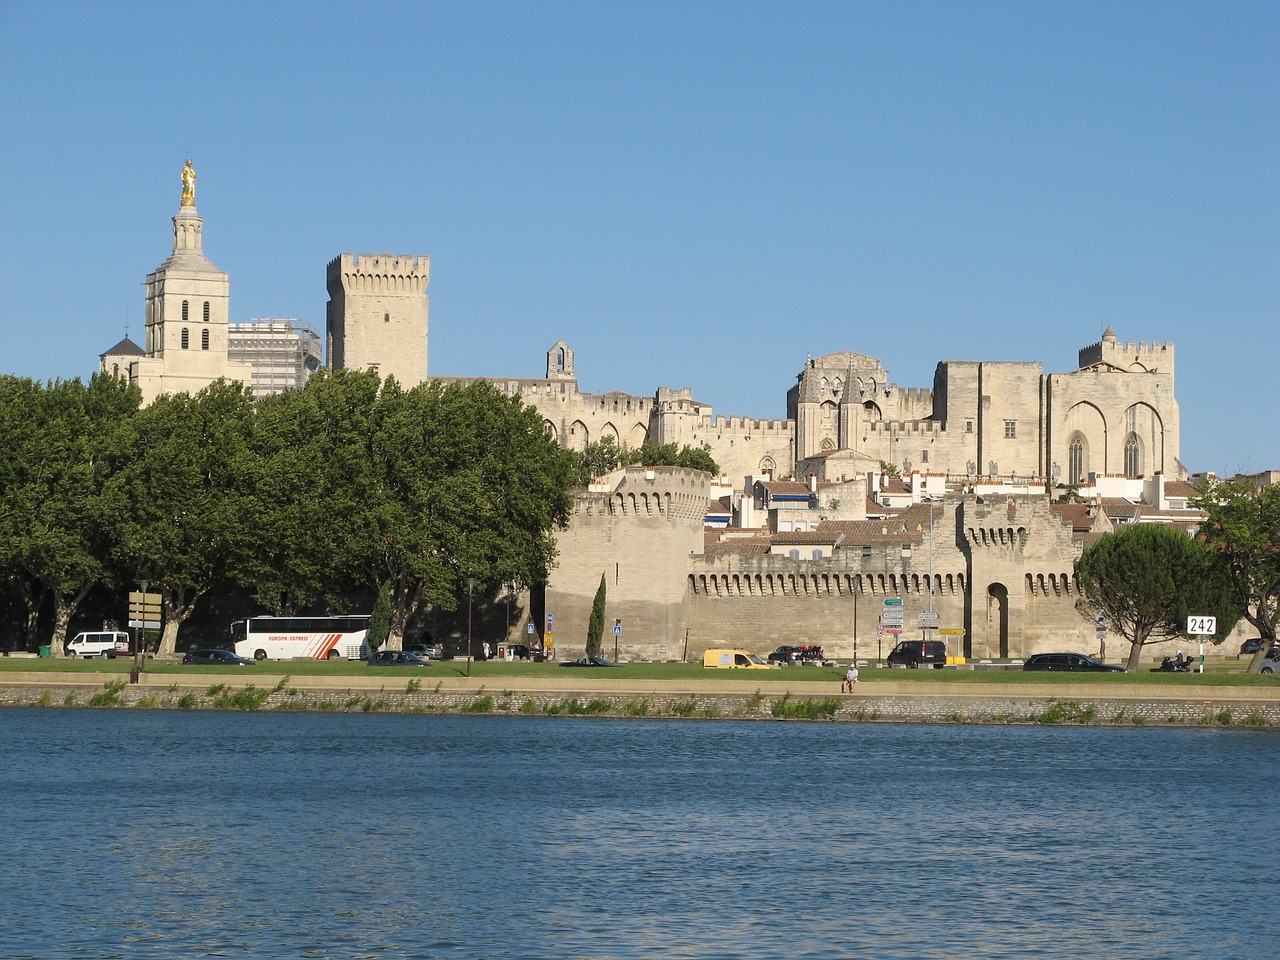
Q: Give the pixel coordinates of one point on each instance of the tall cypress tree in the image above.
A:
(595, 628)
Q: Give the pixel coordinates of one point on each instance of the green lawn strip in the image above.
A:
(1229, 673)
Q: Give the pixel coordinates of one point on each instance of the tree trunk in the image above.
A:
(177, 608)
(64, 608)
(32, 600)
(1135, 657)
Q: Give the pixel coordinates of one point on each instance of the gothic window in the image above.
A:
(1075, 462)
(186, 337)
(1011, 429)
(1132, 457)
(206, 311)
(560, 360)
(204, 339)
(184, 311)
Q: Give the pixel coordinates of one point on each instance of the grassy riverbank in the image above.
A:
(1218, 673)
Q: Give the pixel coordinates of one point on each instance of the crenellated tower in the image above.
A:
(376, 318)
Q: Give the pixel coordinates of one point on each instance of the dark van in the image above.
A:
(913, 653)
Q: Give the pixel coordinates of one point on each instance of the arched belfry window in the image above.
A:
(184, 311)
(206, 311)
(1075, 461)
(560, 360)
(1132, 457)
(186, 337)
(204, 339)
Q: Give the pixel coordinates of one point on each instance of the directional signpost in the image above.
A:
(144, 614)
(891, 618)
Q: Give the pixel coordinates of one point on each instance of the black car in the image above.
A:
(588, 662)
(915, 653)
(1069, 662)
(397, 658)
(797, 655)
(216, 658)
(1250, 647)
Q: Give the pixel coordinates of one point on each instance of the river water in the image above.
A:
(168, 834)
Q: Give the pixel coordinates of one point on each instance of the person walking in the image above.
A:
(850, 678)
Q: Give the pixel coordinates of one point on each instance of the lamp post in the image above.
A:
(471, 585)
(138, 635)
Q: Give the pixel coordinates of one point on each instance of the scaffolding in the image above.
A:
(283, 353)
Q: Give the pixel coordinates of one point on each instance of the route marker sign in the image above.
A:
(1202, 626)
(893, 602)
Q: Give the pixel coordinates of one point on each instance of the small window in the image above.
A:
(794, 554)
(924, 456)
(204, 339)
(866, 549)
(206, 311)
(186, 337)
(1010, 429)
(184, 311)
(968, 426)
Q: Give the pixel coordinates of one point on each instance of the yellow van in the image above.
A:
(734, 660)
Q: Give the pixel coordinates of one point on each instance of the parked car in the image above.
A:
(1250, 646)
(798, 655)
(216, 658)
(397, 658)
(427, 651)
(1272, 662)
(914, 653)
(588, 662)
(1071, 662)
(734, 659)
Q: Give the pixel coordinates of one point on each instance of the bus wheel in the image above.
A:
(334, 655)
(259, 654)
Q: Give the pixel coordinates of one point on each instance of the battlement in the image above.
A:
(930, 428)
(380, 273)
(1148, 355)
(672, 493)
(747, 425)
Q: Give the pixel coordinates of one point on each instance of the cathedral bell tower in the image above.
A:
(187, 313)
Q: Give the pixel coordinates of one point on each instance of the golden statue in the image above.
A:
(188, 184)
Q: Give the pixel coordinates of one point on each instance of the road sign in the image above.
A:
(144, 610)
(1202, 626)
(952, 631)
(531, 628)
(895, 631)
(617, 629)
(892, 621)
(893, 602)
(926, 616)
(548, 619)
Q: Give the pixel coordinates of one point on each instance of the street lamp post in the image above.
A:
(471, 585)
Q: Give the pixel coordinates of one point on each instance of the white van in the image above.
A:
(99, 643)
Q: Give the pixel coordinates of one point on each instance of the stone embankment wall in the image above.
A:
(879, 702)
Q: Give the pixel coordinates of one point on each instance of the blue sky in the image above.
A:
(689, 194)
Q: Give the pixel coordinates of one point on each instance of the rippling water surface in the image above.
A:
(157, 834)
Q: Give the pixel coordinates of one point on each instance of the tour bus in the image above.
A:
(309, 638)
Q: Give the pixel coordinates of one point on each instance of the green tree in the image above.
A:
(595, 626)
(380, 620)
(669, 455)
(1147, 578)
(312, 449)
(52, 512)
(599, 458)
(1243, 529)
(464, 484)
(182, 503)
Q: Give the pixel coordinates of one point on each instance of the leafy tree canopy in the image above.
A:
(1146, 579)
(1243, 529)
